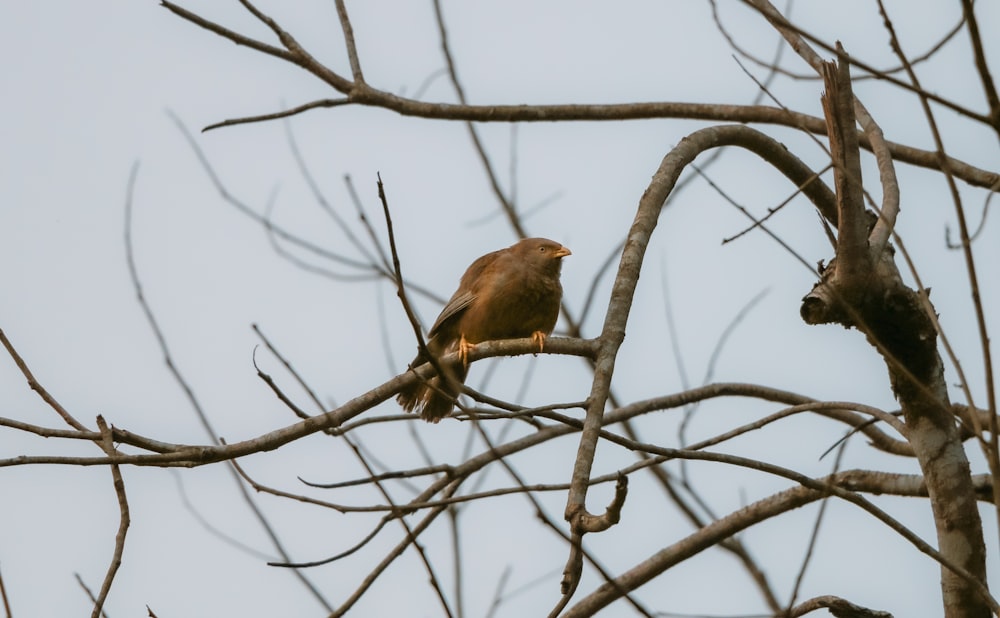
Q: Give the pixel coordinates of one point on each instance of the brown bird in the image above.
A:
(508, 294)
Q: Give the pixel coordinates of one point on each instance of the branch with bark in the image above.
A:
(860, 288)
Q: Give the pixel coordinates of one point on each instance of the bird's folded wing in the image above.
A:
(458, 303)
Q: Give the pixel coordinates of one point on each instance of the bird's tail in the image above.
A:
(435, 397)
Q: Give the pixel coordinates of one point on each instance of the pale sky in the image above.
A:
(87, 89)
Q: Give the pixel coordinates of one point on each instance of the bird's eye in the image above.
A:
(542, 249)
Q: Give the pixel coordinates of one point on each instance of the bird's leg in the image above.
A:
(539, 338)
(463, 350)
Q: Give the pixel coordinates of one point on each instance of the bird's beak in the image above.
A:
(562, 252)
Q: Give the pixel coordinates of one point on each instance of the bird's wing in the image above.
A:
(468, 290)
(455, 306)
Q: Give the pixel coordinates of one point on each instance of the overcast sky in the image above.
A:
(88, 89)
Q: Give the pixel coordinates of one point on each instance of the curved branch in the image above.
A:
(625, 283)
(842, 608)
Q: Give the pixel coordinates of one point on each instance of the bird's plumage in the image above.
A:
(507, 294)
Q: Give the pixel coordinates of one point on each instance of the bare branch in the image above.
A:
(631, 262)
(352, 50)
(989, 87)
(506, 203)
(176, 457)
(108, 445)
(235, 37)
(947, 514)
(797, 37)
(3, 597)
(853, 260)
(37, 387)
(397, 551)
(87, 591)
(360, 92)
(840, 608)
(295, 111)
(808, 491)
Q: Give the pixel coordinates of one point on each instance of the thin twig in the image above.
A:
(395, 509)
(810, 489)
(36, 386)
(6, 601)
(541, 514)
(989, 87)
(320, 197)
(235, 37)
(759, 223)
(797, 37)
(188, 391)
(773, 65)
(397, 551)
(364, 94)
(108, 445)
(814, 535)
(352, 49)
(411, 315)
(88, 592)
(506, 203)
(992, 452)
(295, 111)
(243, 208)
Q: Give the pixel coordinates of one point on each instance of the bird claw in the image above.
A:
(463, 351)
(539, 338)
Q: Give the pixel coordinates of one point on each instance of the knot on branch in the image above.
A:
(893, 317)
(582, 522)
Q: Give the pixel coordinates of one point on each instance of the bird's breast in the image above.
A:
(512, 310)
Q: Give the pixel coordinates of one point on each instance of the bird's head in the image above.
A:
(546, 254)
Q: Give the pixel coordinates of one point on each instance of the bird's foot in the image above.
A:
(539, 338)
(463, 350)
